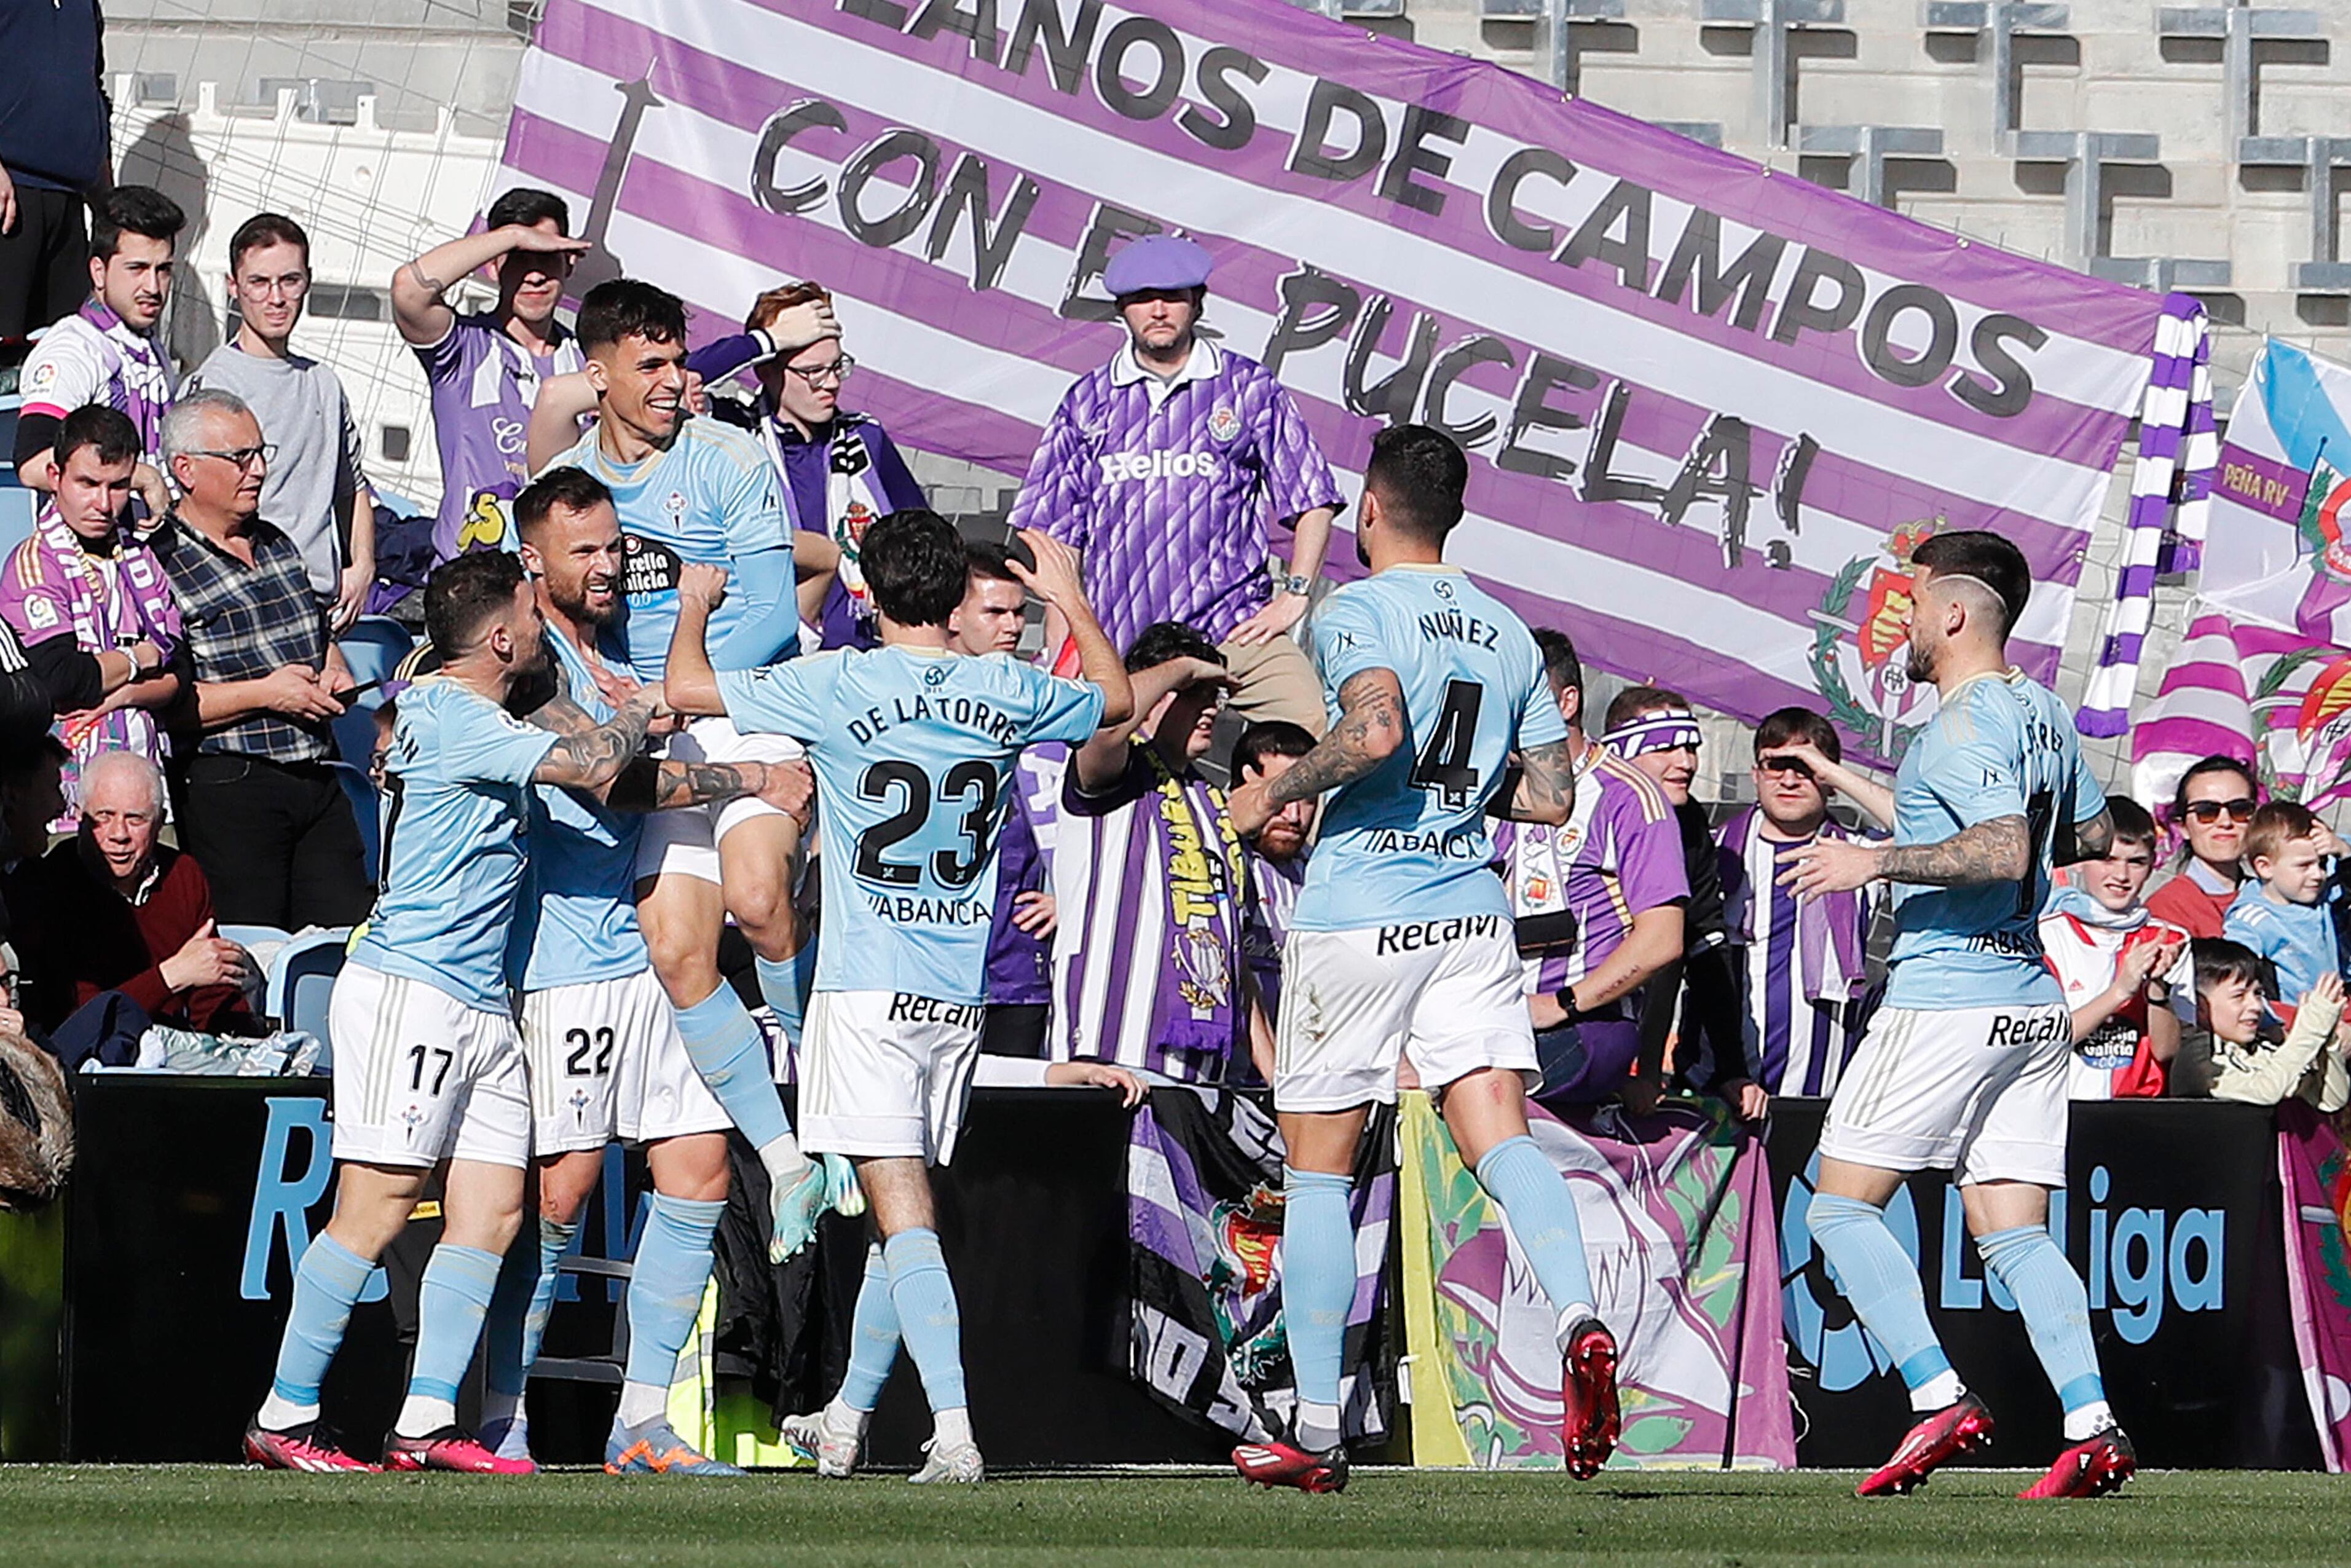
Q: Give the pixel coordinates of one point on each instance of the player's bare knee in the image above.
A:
(762, 908)
(693, 1168)
(898, 1191)
(565, 1185)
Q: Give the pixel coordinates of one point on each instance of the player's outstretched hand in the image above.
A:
(1250, 806)
(531, 237)
(1098, 1075)
(704, 582)
(613, 686)
(790, 788)
(1825, 866)
(1055, 578)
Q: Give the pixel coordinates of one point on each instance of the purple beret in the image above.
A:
(1157, 261)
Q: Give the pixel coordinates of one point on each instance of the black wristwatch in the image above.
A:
(1565, 997)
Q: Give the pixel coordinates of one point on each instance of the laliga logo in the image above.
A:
(1123, 467)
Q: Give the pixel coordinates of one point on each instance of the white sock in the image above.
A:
(422, 1416)
(501, 1408)
(951, 1428)
(1318, 1425)
(784, 1161)
(1943, 1388)
(845, 1421)
(2088, 1421)
(1569, 1316)
(283, 1415)
(641, 1403)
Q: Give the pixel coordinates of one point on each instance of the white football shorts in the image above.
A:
(421, 1077)
(1977, 1090)
(883, 1073)
(606, 1059)
(685, 842)
(1445, 992)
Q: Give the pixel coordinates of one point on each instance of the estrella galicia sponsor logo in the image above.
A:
(1130, 467)
(648, 566)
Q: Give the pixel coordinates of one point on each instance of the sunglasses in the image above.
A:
(2240, 809)
(1795, 765)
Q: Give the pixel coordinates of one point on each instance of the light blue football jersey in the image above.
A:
(579, 922)
(1409, 841)
(712, 498)
(912, 751)
(457, 811)
(2000, 745)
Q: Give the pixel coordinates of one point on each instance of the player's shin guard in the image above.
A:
(450, 1305)
(784, 985)
(1318, 1286)
(327, 1283)
(873, 1337)
(1882, 1283)
(2056, 1313)
(1541, 1214)
(726, 1047)
(666, 1287)
(928, 1320)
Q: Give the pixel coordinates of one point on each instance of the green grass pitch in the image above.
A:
(115, 1516)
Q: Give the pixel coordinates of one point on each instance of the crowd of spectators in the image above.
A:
(171, 680)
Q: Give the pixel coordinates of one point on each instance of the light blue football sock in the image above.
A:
(327, 1283)
(873, 1337)
(1541, 1212)
(726, 1047)
(928, 1320)
(2056, 1313)
(451, 1303)
(1882, 1284)
(519, 1308)
(1317, 1288)
(665, 1286)
(784, 985)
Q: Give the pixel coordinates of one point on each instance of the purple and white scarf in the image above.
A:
(1830, 928)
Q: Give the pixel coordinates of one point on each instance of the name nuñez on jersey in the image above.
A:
(975, 714)
(1128, 467)
(1452, 625)
(1422, 933)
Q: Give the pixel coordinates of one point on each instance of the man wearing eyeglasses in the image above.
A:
(841, 468)
(266, 815)
(316, 490)
(2214, 806)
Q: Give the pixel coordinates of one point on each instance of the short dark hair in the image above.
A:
(132, 209)
(1634, 701)
(573, 489)
(1782, 726)
(25, 762)
(1269, 737)
(1559, 662)
(1421, 475)
(463, 593)
(629, 308)
(986, 557)
(2133, 823)
(1162, 640)
(2206, 767)
(99, 426)
(1988, 557)
(2219, 959)
(266, 228)
(914, 564)
(529, 207)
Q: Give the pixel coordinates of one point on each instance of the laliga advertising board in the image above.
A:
(1709, 408)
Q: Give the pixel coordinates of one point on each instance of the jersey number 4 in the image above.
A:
(1444, 764)
(974, 783)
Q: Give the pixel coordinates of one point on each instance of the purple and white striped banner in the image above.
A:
(1707, 403)
(2274, 700)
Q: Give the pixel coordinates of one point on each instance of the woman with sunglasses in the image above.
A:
(2214, 805)
(841, 469)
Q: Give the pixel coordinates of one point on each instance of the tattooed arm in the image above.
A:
(1371, 727)
(649, 784)
(1545, 787)
(591, 754)
(2092, 839)
(1997, 850)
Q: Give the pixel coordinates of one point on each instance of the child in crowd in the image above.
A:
(2240, 1059)
(2118, 965)
(2283, 911)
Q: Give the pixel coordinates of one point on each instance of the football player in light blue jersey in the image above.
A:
(428, 1066)
(1401, 942)
(600, 1040)
(914, 744)
(1964, 1067)
(697, 491)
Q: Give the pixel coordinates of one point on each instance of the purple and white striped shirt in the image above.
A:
(1801, 966)
(1619, 852)
(1273, 897)
(1147, 959)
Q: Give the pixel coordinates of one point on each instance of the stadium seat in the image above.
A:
(17, 510)
(373, 648)
(302, 976)
(256, 935)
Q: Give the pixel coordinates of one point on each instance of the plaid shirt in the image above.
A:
(244, 623)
